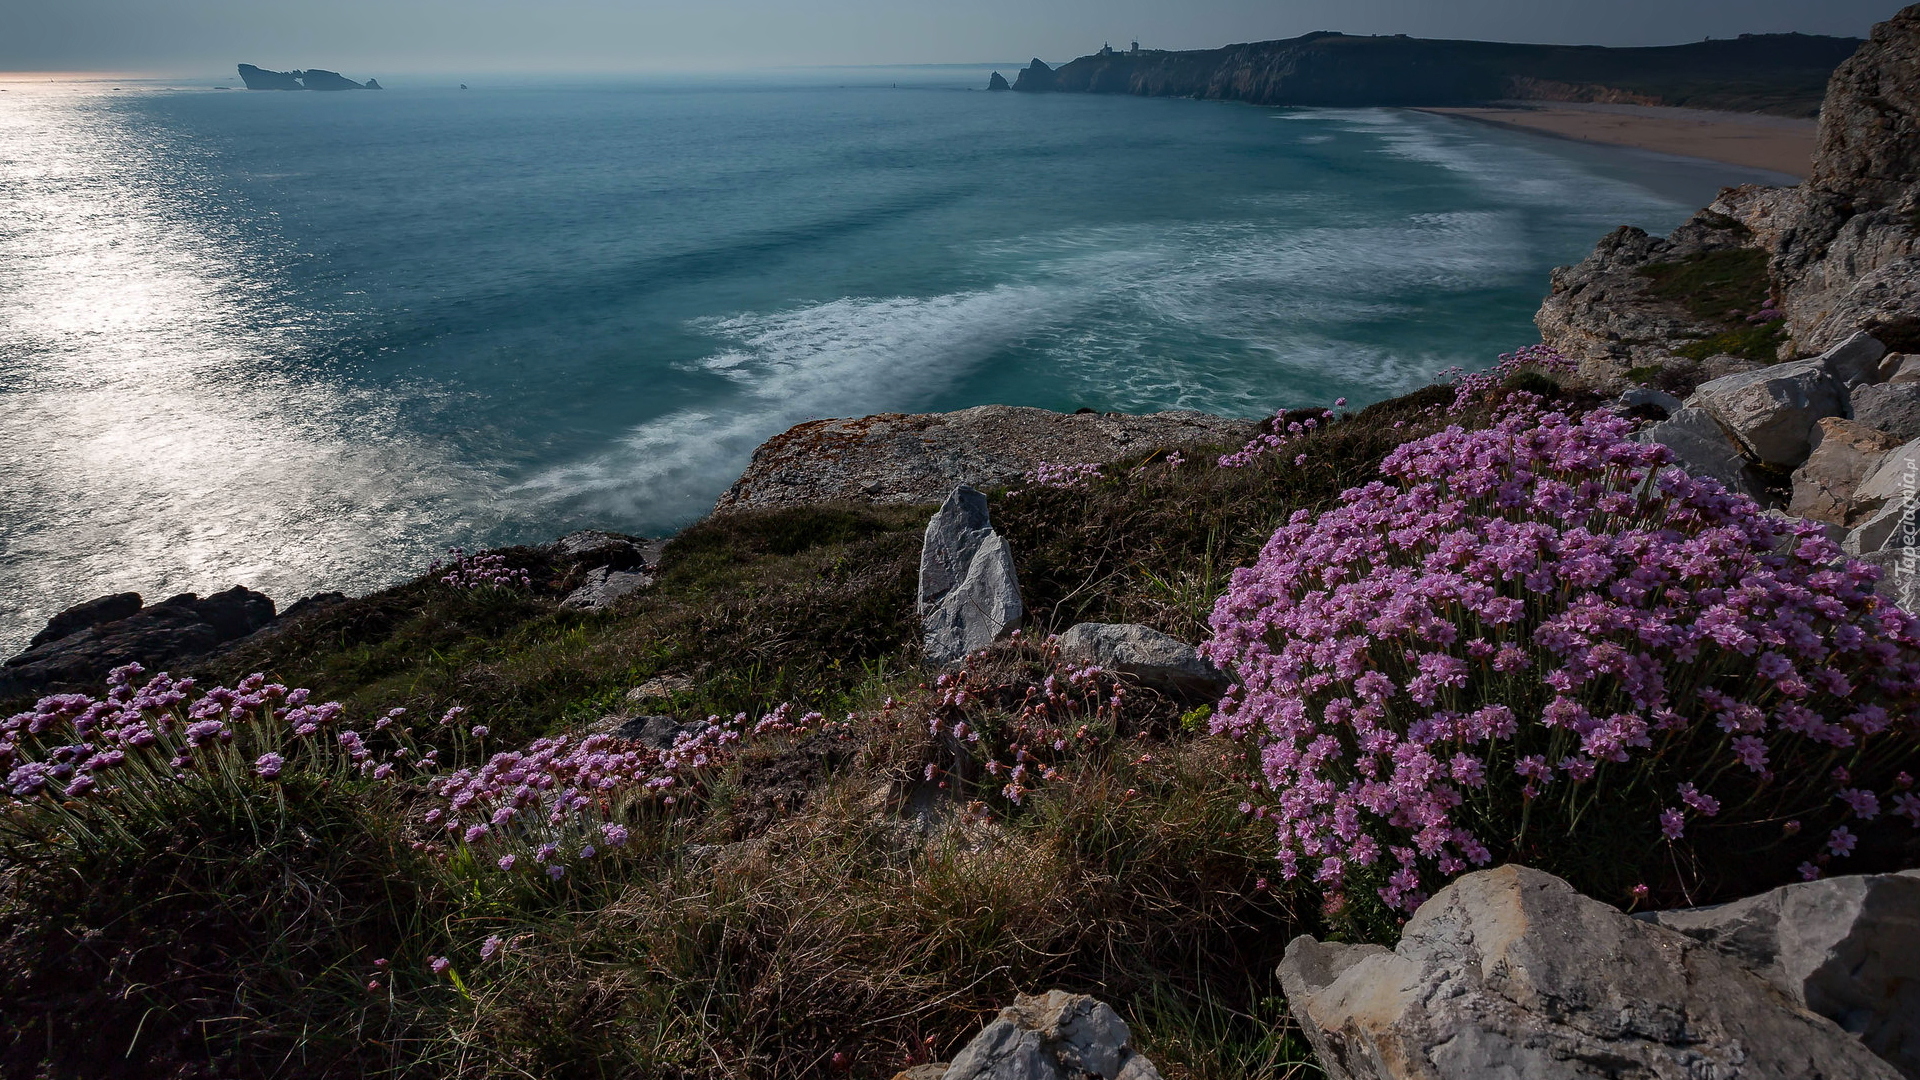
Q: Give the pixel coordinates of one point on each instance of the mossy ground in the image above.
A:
(1721, 288)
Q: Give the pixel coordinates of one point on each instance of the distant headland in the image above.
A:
(1785, 74)
(311, 79)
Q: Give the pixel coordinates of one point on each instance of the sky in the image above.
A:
(394, 37)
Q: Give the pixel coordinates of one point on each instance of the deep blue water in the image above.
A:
(303, 341)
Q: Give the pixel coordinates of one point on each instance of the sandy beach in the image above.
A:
(1779, 143)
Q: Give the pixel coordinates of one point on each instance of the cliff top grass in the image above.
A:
(827, 903)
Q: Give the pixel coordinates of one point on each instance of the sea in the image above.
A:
(309, 341)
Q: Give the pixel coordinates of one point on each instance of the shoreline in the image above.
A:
(1752, 140)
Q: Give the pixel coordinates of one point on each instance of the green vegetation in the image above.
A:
(1713, 283)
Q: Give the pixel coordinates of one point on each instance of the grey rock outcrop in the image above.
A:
(1896, 477)
(1704, 449)
(1846, 948)
(1509, 973)
(1854, 361)
(1894, 525)
(79, 617)
(1771, 412)
(603, 585)
(181, 629)
(1890, 407)
(659, 732)
(1844, 452)
(998, 82)
(919, 457)
(1646, 398)
(1145, 656)
(1053, 1036)
(969, 589)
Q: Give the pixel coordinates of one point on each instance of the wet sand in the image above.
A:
(1779, 143)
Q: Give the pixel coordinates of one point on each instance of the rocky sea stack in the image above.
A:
(311, 79)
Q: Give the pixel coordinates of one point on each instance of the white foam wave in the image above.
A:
(848, 357)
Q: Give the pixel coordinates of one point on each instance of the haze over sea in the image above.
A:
(304, 341)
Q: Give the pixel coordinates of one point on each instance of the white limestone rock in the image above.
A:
(1511, 974)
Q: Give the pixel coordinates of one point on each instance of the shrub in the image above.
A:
(1539, 645)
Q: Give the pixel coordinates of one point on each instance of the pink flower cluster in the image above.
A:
(1768, 312)
(467, 570)
(1048, 474)
(1281, 432)
(1018, 733)
(1542, 605)
(140, 742)
(564, 797)
(1469, 387)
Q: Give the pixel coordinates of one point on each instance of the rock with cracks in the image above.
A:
(1771, 412)
(1053, 1036)
(1145, 656)
(1702, 448)
(969, 590)
(1847, 948)
(1846, 451)
(1510, 973)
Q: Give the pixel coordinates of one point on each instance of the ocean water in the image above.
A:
(307, 341)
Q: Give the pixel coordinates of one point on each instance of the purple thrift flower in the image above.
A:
(491, 947)
(268, 765)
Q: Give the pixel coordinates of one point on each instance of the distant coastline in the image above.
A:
(1784, 74)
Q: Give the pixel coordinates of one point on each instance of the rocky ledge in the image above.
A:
(921, 457)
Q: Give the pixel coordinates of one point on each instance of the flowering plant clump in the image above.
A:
(1048, 474)
(1541, 643)
(563, 798)
(1016, 731)
(487, 570)
(1469, 387)
(97, 764)
(1285, 427)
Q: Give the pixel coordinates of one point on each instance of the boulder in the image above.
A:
(1897, 477)
(1901, 368)
(660, 687)
(596, 548)
(969, 590)
(1703, 448)
(659, 732)
(1893, 408)
(178, 630)
(984, 606)
(1145, 656)
(1847, 948)
(1770, 412)
(1511, 974)
(1896, 524)
(602, 585)
(1647, 398)
(1053, 1036)
(92, 613)
(1854, 361)
(1844, 452)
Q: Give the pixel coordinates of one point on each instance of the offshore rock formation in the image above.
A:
(920, 457)
(1837, 254)
(1772, 72)
(998, 82)
(311, 79)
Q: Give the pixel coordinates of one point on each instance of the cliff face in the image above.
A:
(1836, 254)
(1775, 72)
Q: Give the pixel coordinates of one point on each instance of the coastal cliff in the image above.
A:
(1769, 273)
(1780, 73)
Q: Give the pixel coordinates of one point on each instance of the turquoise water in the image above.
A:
(306, 341)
